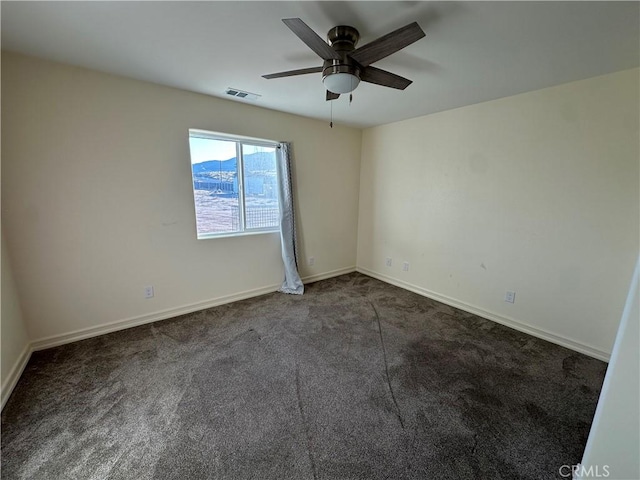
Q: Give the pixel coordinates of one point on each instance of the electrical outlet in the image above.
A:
(405, 266)
(389, 262)
(148, 291)
(510, 297)
(311, 261)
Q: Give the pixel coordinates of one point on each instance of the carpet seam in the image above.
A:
(386, 365)
(305, 424)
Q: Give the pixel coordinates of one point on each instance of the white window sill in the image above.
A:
(208, 236)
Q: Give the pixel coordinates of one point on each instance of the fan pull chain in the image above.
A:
(350, 98)
(331, 122)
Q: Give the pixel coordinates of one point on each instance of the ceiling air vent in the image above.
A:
(234, 92)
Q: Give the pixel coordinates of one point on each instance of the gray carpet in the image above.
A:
(356, 379)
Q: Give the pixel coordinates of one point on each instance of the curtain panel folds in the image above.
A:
(292, 282)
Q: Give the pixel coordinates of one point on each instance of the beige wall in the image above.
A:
(13, 333)
(535, 193)
(97, 199)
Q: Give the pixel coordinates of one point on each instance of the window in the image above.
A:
(235, 184)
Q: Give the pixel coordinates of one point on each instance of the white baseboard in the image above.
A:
(333, 273)
(509, 322)
(84, 333)
(81, 334)
(14, 374)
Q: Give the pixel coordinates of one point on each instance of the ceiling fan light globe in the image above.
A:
(341, 82)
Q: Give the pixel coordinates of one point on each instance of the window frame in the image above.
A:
(239, 141)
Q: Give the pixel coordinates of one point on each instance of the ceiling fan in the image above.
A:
(345, 65)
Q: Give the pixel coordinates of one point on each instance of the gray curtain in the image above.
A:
(292, 282)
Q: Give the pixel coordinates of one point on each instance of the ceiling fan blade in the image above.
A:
(311, 39)
(384, 78)
(332, 96)
(291, 73)
(387, 44)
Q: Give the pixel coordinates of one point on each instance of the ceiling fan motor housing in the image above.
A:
(343, 39)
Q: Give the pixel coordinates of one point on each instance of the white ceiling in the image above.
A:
(472, 52)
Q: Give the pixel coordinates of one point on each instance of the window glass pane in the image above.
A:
(260, 186)
(215, 185)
